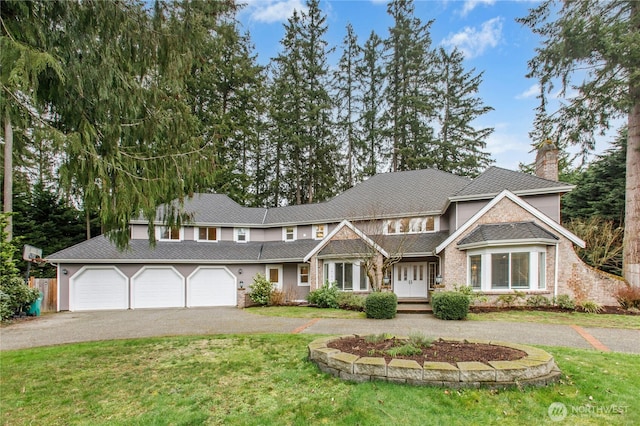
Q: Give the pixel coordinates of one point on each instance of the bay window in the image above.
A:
(513, 268)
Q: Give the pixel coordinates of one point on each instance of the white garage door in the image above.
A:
(157, 287)
(211, 286)
(96, 288)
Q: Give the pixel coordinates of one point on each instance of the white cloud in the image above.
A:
(270, 11)
(472, 41)
(469, 5)
(531, 92)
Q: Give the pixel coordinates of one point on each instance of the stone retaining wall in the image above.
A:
(537, 368)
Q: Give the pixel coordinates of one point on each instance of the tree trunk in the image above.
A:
(8, 175)
(631, 245)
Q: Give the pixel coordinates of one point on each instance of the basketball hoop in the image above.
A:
(32, 254)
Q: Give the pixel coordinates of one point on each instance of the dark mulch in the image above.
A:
(439, 351)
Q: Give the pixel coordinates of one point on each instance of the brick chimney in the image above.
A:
(547, 161)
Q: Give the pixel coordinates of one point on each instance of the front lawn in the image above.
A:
(562, 318)
(304, 312)
(266, 379)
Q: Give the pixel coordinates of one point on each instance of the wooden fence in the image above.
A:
(49, 289)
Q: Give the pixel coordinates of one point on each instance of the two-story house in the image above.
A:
(407, 232)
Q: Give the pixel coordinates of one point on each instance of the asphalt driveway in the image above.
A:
(71, 327)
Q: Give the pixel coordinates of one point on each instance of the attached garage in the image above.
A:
(98, 288)
(211, 286)
(157, 287)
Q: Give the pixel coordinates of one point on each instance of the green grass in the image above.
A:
(562, 318)
(267, 380)
(304, 312)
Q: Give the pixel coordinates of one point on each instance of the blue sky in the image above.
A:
(485, 30)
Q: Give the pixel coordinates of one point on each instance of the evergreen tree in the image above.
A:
(600, 189)
(460, 146)
(348, 100)
(410, 89)
(601, 41)
(371, 78)
(301, 113)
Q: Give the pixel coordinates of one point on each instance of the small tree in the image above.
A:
(261, 290)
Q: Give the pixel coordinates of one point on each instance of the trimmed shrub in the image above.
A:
(564, 301)
(324, 297)
(261, 290)
(381, 305)
(450, 305)
(628, 297)
(350, 301)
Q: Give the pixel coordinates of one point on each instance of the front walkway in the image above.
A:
(70, 327)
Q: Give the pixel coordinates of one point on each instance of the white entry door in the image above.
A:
(274, 274)
(410, 280)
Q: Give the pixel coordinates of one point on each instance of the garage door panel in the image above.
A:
(99, 289)
(158, 288)
(211, 287)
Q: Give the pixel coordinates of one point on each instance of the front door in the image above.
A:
(410, 280)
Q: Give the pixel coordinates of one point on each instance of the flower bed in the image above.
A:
(535, 367)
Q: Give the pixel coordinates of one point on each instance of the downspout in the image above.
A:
(555, 273)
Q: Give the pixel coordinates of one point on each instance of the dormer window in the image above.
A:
(208, 234)
(410, 225)
(319, 231)
(170, 233)
(289, 233)
(241, 235)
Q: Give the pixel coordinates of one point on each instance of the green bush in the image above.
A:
(450, 305)
(473, 295)
(351, 302)
(381, 305)
(537, 301)
(261, 290)
(15, 296)
(510, 299)
(564, 301)
(324, 297)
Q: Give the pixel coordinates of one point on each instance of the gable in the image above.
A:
(508, 208)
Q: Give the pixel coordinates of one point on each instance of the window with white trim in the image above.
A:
(410, 225)
(303, 275)
(319, 231)
(170, 233)
(507, 268)
(346, 275)
(241, 235)
(289, 233)
(208, 234)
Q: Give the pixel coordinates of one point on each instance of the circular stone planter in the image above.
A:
(537, 368)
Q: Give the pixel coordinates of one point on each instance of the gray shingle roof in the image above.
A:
(218, 209)
(507, 231)
(101, 249)
(495, 179)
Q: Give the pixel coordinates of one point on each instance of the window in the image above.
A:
(318, 231)
(303, 275)
(507, 268)
(542, 270)
(173, 233)
(412, 225)
(289, 233)
(208, 234)
(476, 271)
(346, 275)
(241, 235)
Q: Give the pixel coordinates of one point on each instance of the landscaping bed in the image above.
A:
(438, 351)
(611, 310)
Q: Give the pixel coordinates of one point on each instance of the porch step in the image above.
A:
(414, 306)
